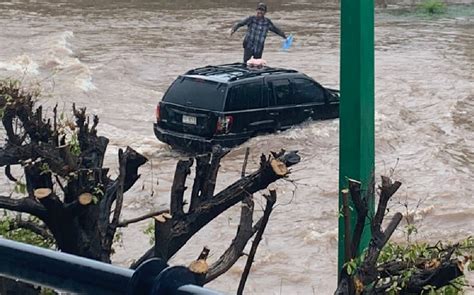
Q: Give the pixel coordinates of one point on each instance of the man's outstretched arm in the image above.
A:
(240, 24)
(276, 30)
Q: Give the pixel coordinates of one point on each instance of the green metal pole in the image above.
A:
(356, 134)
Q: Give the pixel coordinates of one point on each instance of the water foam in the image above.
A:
(63, 39)
(61, 58)
(22, 63)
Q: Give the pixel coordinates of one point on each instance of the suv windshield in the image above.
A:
(197, 93)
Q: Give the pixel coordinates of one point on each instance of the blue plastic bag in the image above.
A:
(287, 43)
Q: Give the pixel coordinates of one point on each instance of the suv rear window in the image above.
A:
(197, 93)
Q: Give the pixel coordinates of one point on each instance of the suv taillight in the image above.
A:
(223, 124)
(157, 113)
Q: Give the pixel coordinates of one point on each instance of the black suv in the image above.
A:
(228, 104)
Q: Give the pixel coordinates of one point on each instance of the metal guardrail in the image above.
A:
(69, 273)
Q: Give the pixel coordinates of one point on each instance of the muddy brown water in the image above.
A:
(118, 57)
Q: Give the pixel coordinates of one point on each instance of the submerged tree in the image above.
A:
(71, 199)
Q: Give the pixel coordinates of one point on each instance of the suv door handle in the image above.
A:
(274, 113)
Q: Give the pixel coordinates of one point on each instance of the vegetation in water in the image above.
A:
(150, 232)
(432, 7)
(417, 256)
(429, 256)
(463, 13)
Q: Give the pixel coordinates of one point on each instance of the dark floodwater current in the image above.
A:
(118, 57)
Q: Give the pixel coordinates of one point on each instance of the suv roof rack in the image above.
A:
(236, 71)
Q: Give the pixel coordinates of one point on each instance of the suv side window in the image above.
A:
(253, 93)
(282, 92)
(307, 91)
(244, 97)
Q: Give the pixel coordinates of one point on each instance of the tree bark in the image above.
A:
(179, 187)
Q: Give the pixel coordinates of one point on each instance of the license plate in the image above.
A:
(189, 120)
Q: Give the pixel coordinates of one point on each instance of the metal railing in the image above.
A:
(69, 273)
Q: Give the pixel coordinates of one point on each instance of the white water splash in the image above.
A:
(22, 63)
(62, 60)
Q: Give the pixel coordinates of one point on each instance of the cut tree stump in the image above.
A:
(42, 193)
(85, 198)
(279, 167)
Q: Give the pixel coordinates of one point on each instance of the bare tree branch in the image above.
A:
(125, 223)
(271, 199)
(202, 166)
(217, 154)
(8, 174)
(244, 165)
(184, 228)
(26, 205)
(362, 210)
(234, 252)
(178, 188)
(347, 225)
(119, 195)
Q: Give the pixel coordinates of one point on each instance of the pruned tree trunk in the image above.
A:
(67, 187)
(79, 204)
(172, 234)
(369, 276)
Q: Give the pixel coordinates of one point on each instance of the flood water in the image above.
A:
(118, 57)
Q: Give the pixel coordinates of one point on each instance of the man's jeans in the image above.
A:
(248, 53)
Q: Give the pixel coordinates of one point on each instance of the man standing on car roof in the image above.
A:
(257, 29)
